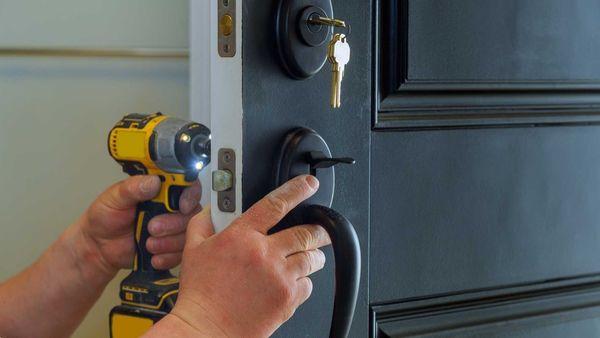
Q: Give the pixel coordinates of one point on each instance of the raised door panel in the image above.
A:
(458, 210)
(482, 62)
(547, 310)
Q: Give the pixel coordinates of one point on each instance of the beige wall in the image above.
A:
(55, 114)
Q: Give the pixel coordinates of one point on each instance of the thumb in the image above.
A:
(128, 193)
(200, 228)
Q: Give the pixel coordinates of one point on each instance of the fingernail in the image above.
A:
(149, 184)
(322, 258)
(150, 244)
(313, 182)
(154, 227)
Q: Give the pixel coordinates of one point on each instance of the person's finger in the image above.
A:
(305, 263)
(168, 244)
(267, 212)
(300, 238)
(304, 290)
(129, 192)
(190, 198)
(166, 261)
(200, 228)
(170, 224)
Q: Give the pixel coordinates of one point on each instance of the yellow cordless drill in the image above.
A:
(176, 150)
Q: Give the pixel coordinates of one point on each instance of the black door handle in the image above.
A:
(303, 151)
(346, 250)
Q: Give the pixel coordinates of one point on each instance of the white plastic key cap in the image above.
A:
(338, 55)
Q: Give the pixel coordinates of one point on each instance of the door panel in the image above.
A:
(558, 309)
(509, 40)
(469, 209)
(480, 62)
(274, 104)
(475, 129)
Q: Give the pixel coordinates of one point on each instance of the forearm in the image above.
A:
(51, 297)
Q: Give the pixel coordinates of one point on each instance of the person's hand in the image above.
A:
(107, 226)
(243, 282)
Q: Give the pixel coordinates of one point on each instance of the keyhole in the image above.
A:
(311, 26)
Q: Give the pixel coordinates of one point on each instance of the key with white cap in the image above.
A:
(338, 54)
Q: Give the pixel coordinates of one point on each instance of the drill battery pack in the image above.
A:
(129, 321)
(147, 296)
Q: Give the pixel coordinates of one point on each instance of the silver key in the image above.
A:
(338, 54)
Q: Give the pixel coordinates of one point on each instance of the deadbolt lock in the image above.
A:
(303, 29)
(226, 30)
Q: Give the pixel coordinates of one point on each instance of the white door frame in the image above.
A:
(216, 96)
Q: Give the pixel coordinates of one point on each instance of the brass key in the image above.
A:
(338, 54)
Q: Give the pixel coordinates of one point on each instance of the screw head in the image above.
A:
(226, 203)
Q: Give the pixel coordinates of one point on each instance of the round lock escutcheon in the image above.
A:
(302, 45)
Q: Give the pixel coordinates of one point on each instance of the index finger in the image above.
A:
(267, 212)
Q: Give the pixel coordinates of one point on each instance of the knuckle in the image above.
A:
(277, 205)
(304, 236)
(178, 225)
(257, 255)
(94, 212)
(232, 235)
(285, 294)
(126, 187)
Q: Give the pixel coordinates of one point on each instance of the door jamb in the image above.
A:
(216, 87)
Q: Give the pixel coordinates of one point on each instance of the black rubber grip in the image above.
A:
(146, 211)
(346, 249)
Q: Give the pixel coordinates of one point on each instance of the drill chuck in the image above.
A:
(179, 146)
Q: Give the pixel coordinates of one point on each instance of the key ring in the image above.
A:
(332, 22)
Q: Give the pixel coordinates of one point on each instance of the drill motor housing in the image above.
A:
(174, 149)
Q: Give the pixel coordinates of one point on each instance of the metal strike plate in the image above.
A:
(226, 171)
(227, 28)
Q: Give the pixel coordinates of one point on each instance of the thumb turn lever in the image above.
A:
(318, 160)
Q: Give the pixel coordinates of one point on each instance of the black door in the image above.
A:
(476, 188)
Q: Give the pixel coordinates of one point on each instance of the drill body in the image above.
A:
(175, 150)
